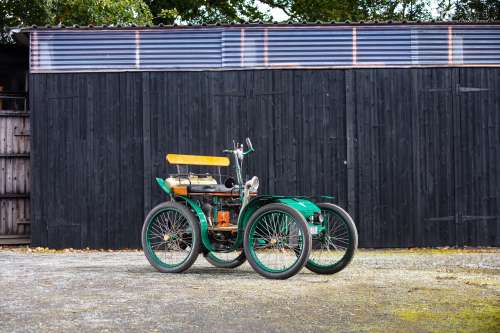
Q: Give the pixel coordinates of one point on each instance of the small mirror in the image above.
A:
(249, 143)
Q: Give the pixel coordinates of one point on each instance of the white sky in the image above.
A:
(278, 14)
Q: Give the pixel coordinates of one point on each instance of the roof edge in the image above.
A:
(246, 24)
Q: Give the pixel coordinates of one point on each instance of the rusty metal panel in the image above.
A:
(287, 47)
(414, 45)
(179, 49)
(476, 46)
(82, 50)
(245, 47)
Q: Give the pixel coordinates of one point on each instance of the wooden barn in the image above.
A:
(14, 147)
(400, 121)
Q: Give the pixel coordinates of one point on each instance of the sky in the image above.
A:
(278, 14)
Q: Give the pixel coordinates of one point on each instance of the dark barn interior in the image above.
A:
(413, 153)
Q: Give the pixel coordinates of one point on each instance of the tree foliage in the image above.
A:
(68, 12)
(353, 10)
(99, 12)
(140, 12)
(205, 11)
(477, 10)
(23, 12)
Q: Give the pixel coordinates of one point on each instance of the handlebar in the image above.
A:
(250, 150)
(239, 147)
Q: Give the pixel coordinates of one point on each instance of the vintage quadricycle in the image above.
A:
(227, 221)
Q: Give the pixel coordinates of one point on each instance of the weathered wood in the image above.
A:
(14, 240)
(7, 113)
(14, 176)
(386, 142)
(14, 155)
(14, 195)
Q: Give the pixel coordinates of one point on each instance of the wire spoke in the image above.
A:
(331, 246)
(280, 231)
(169, 237)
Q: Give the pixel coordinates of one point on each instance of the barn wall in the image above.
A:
(414, 154)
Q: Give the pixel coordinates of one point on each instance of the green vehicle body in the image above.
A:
(304, 205)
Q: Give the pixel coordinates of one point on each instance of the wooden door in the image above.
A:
(14, 170)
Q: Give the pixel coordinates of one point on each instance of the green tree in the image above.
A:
(23, 12)
(471, 10)
(99, 12)
(205, 11)
(353, 10)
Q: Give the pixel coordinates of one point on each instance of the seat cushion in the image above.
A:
(194, 180)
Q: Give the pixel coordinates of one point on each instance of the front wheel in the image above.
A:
(277, 241)
(171, 237)
(333, 249)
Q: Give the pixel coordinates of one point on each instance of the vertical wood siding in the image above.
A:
(14, 178)
(413, 153)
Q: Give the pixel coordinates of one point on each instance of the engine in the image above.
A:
(222, 217)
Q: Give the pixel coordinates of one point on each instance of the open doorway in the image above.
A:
(14, 146)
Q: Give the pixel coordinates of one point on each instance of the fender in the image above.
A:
(203, 222)
(164, 186)
(197, 209)
(301, 204)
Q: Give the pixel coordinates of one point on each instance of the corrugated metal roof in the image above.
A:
(264, 46)
(80, 51)
(252, 24)
(180, 49)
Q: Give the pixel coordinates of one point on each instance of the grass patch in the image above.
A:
(431, 250)
(475, 316)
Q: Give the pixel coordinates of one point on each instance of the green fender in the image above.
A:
(164, 186)
(203, 222)
(197, 209)
(302, 204)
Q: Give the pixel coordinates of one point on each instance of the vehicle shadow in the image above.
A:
(212, 271)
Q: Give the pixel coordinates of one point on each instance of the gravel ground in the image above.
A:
(381, 291)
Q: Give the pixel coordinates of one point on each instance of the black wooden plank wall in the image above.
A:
(413, 153)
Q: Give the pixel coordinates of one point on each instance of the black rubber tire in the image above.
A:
(346, 259)
(193, 222)
(302, 256)
(236, 262)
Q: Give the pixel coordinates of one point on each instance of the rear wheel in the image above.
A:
(171, 237)
(226, 259)
(277, 241)
(333, 249)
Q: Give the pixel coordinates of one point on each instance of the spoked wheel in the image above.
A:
(171, 237)
(277, 241)
(333, 249)
(226, 259)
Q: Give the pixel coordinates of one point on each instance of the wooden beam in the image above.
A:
(15, 155)
(14, 239)
(9, 113)
(14, 195)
